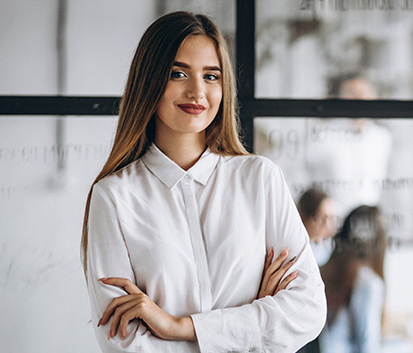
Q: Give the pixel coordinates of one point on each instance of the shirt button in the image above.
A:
(187, 179)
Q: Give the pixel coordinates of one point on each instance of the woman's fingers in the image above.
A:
(122, 316)
(126, 317)
(274, 273)
(275, 266)
(123, 310)
(286, 281)
(137, 305)
(110, 309)
(124, 283)
(274, 280)
(278, 261)
(268, 259)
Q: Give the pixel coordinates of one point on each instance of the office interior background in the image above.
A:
(84, 48)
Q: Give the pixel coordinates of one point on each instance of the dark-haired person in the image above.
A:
(355, 286)
(318, 213)
(182, 224)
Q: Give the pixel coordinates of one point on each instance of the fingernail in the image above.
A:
(100, 321)
(285, 251)
(293, 259)
(102, 279)
(295, 274)
(270, 252)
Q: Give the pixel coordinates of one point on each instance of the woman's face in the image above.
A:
(194, 91)
(323, 225)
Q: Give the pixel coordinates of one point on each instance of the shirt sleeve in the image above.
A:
(284, 322)
(108, 256)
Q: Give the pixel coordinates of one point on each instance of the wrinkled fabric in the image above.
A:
(195, 242)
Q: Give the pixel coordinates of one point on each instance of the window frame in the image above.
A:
(250, 107)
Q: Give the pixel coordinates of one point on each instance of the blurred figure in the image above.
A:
(318, 213)
(352, 86)
(348, 158)
(355, 286)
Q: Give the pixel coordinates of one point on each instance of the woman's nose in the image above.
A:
(195, 89)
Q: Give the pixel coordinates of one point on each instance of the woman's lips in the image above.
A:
(193, 109)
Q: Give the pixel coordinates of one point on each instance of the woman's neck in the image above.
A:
(184, 151)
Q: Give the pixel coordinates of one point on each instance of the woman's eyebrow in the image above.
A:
(186, 66)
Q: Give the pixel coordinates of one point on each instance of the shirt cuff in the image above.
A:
(227, 330)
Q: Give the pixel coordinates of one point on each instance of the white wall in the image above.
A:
(43, 297)
(28, 40)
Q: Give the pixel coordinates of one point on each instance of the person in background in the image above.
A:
(190, 243)
(349, 157)
(317, 211)
(352, 86)
(355, 285)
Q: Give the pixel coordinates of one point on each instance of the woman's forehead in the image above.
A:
(198, 49)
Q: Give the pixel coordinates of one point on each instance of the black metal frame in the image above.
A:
(58, 105)
(250, 107)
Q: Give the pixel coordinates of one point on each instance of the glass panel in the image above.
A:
(305, 48)
(46, 169)
(356, 162)
(82, 47)
(47, 164)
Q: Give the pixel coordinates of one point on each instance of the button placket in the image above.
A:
(197, 243)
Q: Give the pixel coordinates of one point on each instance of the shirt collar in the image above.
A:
(169, 173)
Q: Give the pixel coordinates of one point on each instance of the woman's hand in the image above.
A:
(273, 272)
(137, 305)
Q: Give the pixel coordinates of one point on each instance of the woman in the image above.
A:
(318, 213)
(354, 285)
(182, 224)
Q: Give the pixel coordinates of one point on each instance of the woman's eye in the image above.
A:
(211, 77)
(177, 74)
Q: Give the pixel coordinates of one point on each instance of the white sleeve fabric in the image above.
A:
(284, 322)
(108, 256)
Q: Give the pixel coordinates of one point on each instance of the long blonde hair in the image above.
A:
(149, 73)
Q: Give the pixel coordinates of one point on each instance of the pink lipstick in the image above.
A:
(193, 109)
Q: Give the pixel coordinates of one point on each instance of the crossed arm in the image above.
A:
(137, 305)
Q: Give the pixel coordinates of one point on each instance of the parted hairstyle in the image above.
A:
(148, 76)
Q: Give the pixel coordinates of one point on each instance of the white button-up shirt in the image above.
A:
(195, 242)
